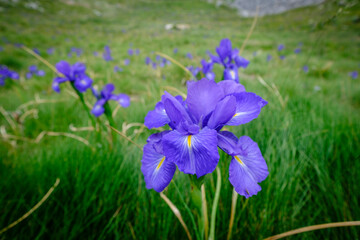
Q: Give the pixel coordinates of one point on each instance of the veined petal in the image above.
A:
(175, 110)
(157, 117)
(231, 73)
(247, 168)
(248, 107)
(227, 141)
(156, 168)
(224, 111)
(193, 154)
(231, 87)
(202, 97)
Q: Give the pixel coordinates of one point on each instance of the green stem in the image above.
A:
(215, 205)
(188, 211)
(108, 114)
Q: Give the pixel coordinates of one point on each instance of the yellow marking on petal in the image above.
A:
(239, 160)
(189, 141)
(236, 114)
(160, 163)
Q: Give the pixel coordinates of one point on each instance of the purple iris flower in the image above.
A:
(282, 57)
(154, 65)
(130, 52)
(117, 69)
(73, 73)
(353, 74)
(107, 54)
(207, 69)
(195, 135)
(230, 59)
(194, 70)
(297, 50)
(147, 60)
(126, 62)
(50, 51)
(306, 68)
(158, 58)
(175, 50)
(77, 51)
(7, 73)
(34, 71)
(281, 47)
(106, 95)
(189, 56)
(268, 58)
(95, 53)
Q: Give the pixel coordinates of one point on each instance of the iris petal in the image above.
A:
(193, 154)
(64, 68)
(156, 168)
(224, 111)
(247, 168)
(248, 107)
(231, 87)
(202, 97)
(157, 117)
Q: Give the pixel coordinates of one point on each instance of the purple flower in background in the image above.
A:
(107, 54)
(254, 54)
(1, 49)
(194, 70)
(280, 47)
(147, 60)
(230, 59)
(297, 50)
(77, 51)
(207, 69)
(268, 58)
(35, 50)
(158, 58)
(5, 73)
(305, 68)
(126, 62)
(154, 65)
(300, 44)
(95, 53)
(73, 73)
(34, 71)
(137, 51)
(353, 74)
(130, 52)
(50, 51)
(189, 56)
(117, 69)
(175, 50)
(282, 57)
(106, 95)
(195, 135)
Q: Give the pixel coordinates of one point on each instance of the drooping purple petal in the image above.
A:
(82, 83)
(227, 141)
(247, 168)
(122, 99)
(248, 107)
(98, 108)
(56, 82)
(193, 154)
(202, 97)
(241, 62)
(156, 168)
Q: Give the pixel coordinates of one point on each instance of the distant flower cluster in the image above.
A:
(196, 130)
(75, 74)
(159, 62)
(5, 73)
(33, 70)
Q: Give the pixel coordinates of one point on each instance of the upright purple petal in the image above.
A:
(248, 107)
(224, 111)
(64, 68)
(193, 154)
(202, 97)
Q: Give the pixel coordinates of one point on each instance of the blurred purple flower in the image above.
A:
(126, 62)
(305, 68)
(33, 70)
(189, 56)
(175, 50)
(107, 95)
(282, 57)
(353, 74)
(107, 54)
(73, 73)
(297, 50)
(50, 51)
(147, 60)
(130, 52)
(194, 70)
(207, 69)
(268, 58)
(137, 51)
(5, 73)
(35, 50)
(280, 47)
(117, 69)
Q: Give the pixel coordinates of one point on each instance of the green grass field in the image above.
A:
(308, 133)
